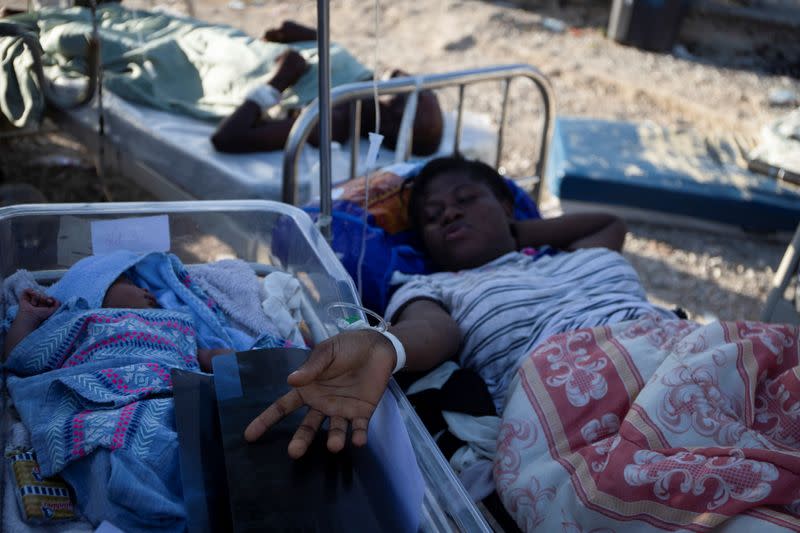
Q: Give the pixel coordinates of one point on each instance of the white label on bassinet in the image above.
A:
(137, 234)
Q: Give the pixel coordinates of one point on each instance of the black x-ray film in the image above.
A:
(355, 490)
(202, 458)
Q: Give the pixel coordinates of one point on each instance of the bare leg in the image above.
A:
(244, 131)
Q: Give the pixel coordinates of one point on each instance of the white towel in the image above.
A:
(282, 304)
(234, 286)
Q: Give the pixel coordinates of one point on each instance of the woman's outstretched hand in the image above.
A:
(343, 379)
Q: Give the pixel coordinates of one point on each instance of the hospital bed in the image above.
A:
(171, 156)
(269, 236)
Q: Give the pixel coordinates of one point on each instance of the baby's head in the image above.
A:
(104, 280)
(123, 294)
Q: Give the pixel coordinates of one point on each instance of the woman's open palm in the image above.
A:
(343, 379)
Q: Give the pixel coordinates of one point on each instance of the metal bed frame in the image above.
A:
(777, 308)
(354, 93)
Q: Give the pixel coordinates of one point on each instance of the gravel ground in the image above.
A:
(718, 88)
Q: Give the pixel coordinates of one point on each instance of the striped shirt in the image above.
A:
(506, 307)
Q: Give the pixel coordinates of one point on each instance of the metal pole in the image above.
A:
(323, 50)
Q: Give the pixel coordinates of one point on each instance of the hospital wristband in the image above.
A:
(264, 96)
(398, 347)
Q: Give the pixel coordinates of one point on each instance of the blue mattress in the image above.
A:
(647, 167)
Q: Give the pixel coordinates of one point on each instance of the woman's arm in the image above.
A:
(429, 335)
(571, 232)
(290, 32)
(345, 376)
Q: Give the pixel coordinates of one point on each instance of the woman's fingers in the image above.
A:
(305, 433)
(286, 404)
(337, 433)
(359, 426)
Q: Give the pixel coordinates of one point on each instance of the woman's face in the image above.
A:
(464, 225)
(123, 294)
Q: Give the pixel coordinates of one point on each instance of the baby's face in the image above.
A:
(123, 294)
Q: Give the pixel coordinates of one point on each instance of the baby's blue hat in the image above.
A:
(91, 277)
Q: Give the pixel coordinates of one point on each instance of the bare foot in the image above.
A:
(289, 66)
(290, 32)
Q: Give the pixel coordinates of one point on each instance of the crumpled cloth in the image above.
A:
(282, 305)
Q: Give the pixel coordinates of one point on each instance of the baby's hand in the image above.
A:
(37, 306)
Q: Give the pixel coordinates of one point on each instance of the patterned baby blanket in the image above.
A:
(98, 378)
(655, 425)
(93, 386)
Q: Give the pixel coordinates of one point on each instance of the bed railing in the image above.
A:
(355, 92)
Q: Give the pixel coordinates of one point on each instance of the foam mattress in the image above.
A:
(647, 167)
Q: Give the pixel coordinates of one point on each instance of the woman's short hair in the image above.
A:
(475, 170)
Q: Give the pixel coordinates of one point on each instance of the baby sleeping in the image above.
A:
(35, 307)
(90, 361)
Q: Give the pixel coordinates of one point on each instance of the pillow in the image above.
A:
(391, 245)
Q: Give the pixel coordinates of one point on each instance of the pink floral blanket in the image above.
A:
(655, 424)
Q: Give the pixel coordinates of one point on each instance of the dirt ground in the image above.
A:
(713, 86)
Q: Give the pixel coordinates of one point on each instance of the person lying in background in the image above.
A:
(494, 298)
(248, 130)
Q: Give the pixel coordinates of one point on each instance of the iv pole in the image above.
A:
(323, 52)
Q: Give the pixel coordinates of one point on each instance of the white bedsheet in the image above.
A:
(178, 148)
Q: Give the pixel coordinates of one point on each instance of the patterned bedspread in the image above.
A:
(655, 424)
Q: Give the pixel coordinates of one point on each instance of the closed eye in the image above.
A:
(466, 199)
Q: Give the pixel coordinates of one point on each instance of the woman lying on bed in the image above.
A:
(247, 129)
(615, 414)
(493, 299)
